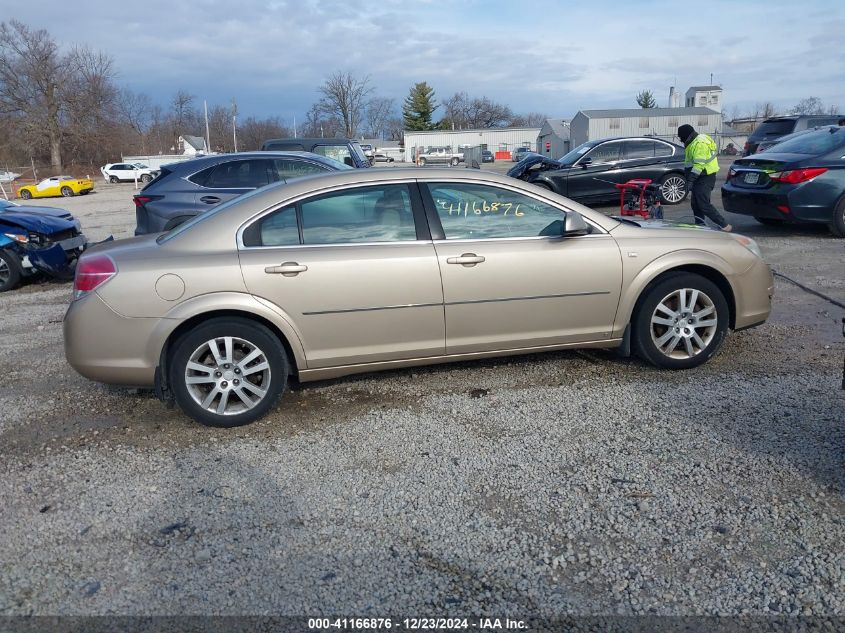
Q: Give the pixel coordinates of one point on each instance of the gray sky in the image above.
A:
(551, 57)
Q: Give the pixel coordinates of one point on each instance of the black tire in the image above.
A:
(673, 189)
(454, 162)
(114, 180)
(769, 221)
(145, 178)
(837, 222)
(663, 292)
(67, 192)
(422, 162)
(248, 333)
(10, 270)
(26, 194)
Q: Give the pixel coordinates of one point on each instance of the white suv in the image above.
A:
(128, 172)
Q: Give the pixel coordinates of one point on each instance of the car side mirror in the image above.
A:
(574, 224)
(585, 162)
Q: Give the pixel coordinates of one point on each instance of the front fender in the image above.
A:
(229, 302)
(637, 278)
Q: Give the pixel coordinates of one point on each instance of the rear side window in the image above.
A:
(277, 229)
(638, 149)
(239, 174)
(339, 152)
(662, 149)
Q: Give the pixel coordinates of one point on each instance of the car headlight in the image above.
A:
(748, 243)
(23, 239)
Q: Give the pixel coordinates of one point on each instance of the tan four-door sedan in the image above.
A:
(372, 269)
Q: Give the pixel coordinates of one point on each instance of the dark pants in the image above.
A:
(700, 200)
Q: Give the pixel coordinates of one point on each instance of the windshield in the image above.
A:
(575, 154)
(814, 143)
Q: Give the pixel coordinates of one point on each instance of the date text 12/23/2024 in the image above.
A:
(416, 624)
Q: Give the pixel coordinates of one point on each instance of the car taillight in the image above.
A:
(795, 176)
(92, 272)
(140, 201)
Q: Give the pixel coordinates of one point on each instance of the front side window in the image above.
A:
(365, 214)
(604, 153)
(287, 168)
(470, 211)
(339, 152)
(239, 174)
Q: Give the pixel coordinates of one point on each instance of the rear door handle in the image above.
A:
(288, 269)
(467, 259)
(210, 199)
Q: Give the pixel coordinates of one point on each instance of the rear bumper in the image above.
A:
(105, 346)
(804, 204)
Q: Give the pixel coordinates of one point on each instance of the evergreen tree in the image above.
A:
(646, 100)
(419, 107)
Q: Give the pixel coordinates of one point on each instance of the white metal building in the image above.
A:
(590, 125)
(704, 97)
(500, 141)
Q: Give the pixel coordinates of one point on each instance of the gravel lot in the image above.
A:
(566, 483)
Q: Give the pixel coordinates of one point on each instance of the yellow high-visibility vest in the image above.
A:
(700, 155)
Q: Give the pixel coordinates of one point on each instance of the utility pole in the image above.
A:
(234, 123)
(294, 126)
(207, 135)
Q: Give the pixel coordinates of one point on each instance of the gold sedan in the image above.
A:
(374, 269)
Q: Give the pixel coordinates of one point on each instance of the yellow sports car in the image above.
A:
(57, 186)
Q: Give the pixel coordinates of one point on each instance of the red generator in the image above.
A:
(640, 197)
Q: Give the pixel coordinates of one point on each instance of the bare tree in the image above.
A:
(136, 111)
(379, 110)
(530, 119)
(253, 132)
(808, 105)
(321, 125)
(31, 83)
(464, 112)
(344, 97)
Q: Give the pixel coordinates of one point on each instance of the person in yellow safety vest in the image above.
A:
(701, 167)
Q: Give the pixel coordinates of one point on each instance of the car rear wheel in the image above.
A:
(114, 180)
(453, 162)
(67, 192)
(769, 221)
(681, 321)
(837, 223)
(228, 372)
(26, 194)
(145, 178)
(422, 162)
(10, 271)
(673, 189)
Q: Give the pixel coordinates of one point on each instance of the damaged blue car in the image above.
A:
(37, 240)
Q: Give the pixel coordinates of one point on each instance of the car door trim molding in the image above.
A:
(589, 293)
(393, 307)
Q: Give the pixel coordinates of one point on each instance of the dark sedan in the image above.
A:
(802, 180)
(590, 172)
(183, 190)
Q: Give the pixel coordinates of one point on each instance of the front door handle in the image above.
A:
(288, 269)
(210, 199)
(467, 259)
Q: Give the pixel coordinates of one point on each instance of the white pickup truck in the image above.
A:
(437, 155)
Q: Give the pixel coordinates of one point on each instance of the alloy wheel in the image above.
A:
(684, 323)
(673, 189)
(227, 375)
(5, 272)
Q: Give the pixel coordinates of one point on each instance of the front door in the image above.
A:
(347, 268)
(510, 281)
(594, 175)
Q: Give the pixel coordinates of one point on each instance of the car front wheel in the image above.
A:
(673, 189)
(26, 194)
(837, 222)
(228, 372)
(681, 321)
(67, 192)
(10, 272)
(146, 178)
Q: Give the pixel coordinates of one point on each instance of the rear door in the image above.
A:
(228, 180)
(354, 270)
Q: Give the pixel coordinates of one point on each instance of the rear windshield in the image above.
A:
(775, 127)
(813, 143)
